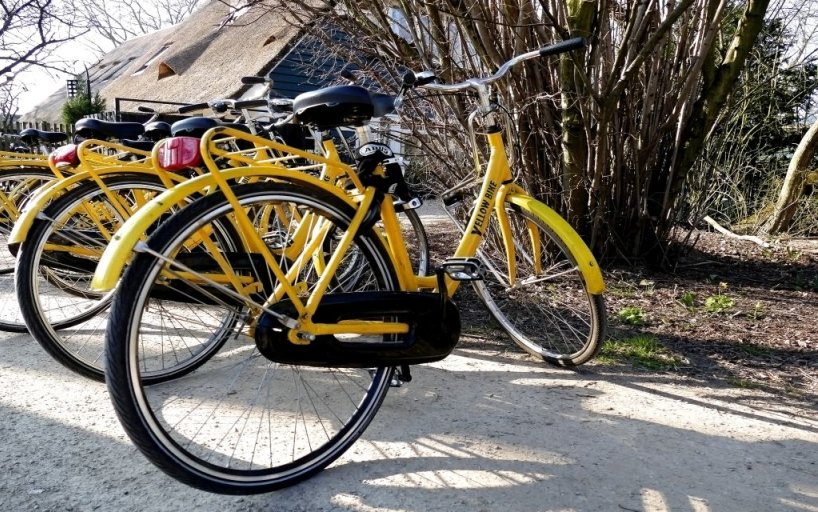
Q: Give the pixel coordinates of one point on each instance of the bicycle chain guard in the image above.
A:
(434, 331)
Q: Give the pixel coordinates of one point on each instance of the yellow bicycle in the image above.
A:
(320, 307)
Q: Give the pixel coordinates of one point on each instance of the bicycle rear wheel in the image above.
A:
(240, 423)
(544, 307)
(56, 262)
(16, 186)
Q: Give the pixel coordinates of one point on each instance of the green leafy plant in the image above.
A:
(632, 315)
(643, 351)
(793, 254)
(622, 289)
(720, 302)
(758, 312)
(738, 382)
(81, 105)
(688, 300)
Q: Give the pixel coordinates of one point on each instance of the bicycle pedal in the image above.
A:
(463, 269)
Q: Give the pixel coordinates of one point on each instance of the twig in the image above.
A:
(729, 233)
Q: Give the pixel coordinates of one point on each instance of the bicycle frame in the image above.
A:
(18, 162)
(497, 188)
(11, 159)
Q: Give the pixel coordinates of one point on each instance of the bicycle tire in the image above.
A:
(24, 181)
(551, 316)
(417, 242)
(161, 419)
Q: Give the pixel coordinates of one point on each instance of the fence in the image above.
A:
(18, 126)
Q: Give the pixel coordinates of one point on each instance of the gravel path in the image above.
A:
(481, 430)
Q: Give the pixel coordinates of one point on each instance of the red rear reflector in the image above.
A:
(65, 156)
(179, 153)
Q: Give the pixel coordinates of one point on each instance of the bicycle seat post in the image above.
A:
(364, 135)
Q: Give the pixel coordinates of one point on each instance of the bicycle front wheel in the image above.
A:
(543, 305)
(417, 243)
(240, 423)
(16, 187)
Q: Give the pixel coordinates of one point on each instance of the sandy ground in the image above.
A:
(483, 430)
(478, 431)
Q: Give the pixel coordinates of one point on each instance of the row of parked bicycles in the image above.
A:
(250, 295)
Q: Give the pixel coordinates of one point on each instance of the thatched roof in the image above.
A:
(108, 69)
(199, 59)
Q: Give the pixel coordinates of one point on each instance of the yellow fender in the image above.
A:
(585, 260)
(118, 252)
(47, 193)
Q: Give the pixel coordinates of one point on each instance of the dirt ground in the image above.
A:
(720, 429)
(732, 311)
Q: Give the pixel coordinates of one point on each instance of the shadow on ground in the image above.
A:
(486, 429)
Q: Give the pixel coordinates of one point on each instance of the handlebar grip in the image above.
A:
(192, 107)
(412, 79)
(252, 80)
(575, 43)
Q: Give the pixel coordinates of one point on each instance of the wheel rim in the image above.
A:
(25, 184)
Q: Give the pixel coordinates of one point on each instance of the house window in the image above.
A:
(115, 68)
(151, 60)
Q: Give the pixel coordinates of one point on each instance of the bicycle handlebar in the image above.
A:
(249, 103)
(423, 79)
(575, 43)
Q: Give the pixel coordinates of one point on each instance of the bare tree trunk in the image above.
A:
(793, 186)
(574, 138)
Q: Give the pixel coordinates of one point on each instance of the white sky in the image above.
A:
(41, 83)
